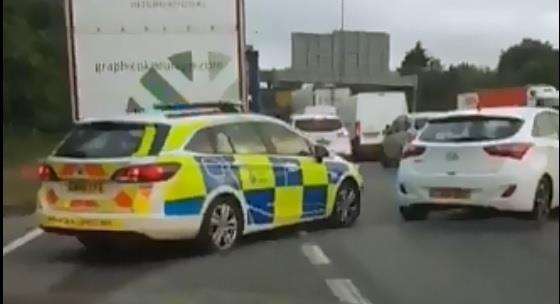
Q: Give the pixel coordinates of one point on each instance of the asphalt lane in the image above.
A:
(450, 258)
(456, 257)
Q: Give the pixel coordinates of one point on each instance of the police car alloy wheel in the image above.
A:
(347, 206)
(222, 225)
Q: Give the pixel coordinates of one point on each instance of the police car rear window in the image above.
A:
(106, 140)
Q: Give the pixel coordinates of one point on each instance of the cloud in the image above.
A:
(454, 31)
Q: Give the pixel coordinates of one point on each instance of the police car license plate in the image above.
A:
(450, 193)
(85, 186)
(86, 224)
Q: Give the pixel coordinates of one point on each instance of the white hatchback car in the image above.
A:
(500, 158)
(325, 129)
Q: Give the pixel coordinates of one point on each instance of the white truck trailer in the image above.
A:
(132, 55)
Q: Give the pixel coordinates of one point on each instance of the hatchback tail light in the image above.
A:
(413, 151)
(516, 151)
(46, 173)
(146, 173)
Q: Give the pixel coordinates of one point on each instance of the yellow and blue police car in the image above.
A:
(211, 177)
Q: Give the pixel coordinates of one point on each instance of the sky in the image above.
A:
(473, 31)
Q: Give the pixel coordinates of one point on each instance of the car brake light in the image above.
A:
(46, 173)
(516, 151)
(413, 151)
(146, 173)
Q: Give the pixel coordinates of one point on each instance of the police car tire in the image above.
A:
(204, 238)
(336, 218)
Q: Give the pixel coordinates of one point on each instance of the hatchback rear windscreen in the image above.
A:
(104, 140)
(318, 125)
(419, 123)
(470, 129)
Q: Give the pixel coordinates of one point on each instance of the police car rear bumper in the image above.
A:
(153, 227)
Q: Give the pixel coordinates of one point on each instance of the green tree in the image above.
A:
(530, 61)
(415, 61)
(36, 91)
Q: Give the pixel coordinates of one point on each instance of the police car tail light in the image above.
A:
(413, 151)
(146, 173)
(46, 173)
(516, 151)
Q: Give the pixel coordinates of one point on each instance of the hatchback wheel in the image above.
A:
(222, 225)
(347, 205)
(541, 204)
(413, 213)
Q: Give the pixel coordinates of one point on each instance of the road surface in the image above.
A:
(450, 258)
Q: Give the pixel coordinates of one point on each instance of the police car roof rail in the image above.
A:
(225, 107)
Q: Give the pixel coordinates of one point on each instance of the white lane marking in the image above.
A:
(315, 255)
(13, 245)
(346, 292)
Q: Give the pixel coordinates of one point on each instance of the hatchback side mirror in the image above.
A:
(320, 152)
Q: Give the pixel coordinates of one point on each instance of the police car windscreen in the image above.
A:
(318, 125)
(470, 129)
(102, 140)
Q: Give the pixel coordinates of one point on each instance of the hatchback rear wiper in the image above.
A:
(466, 139)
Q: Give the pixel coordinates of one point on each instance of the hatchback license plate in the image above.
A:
(453, 193)
(85, 186)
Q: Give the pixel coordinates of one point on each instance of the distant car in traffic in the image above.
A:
(402, 131)
(209, 177)
(325, 129)
(366, 115)
(501, 158)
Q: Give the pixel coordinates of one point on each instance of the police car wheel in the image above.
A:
(347, 206)
(222, 225)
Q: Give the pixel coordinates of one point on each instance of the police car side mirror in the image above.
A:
(320, 152)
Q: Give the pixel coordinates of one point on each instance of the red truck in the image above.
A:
(532, 95)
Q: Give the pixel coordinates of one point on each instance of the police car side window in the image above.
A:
(284, 141)
(202, 142)
(223, 142)
(244, 138)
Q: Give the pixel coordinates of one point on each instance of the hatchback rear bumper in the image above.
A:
(153, 227)
(486, 190)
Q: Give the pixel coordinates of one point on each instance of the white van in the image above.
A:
(367, 115)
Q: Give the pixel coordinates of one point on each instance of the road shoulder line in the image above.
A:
(28, 237)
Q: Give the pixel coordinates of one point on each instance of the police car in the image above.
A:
(211, 177)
